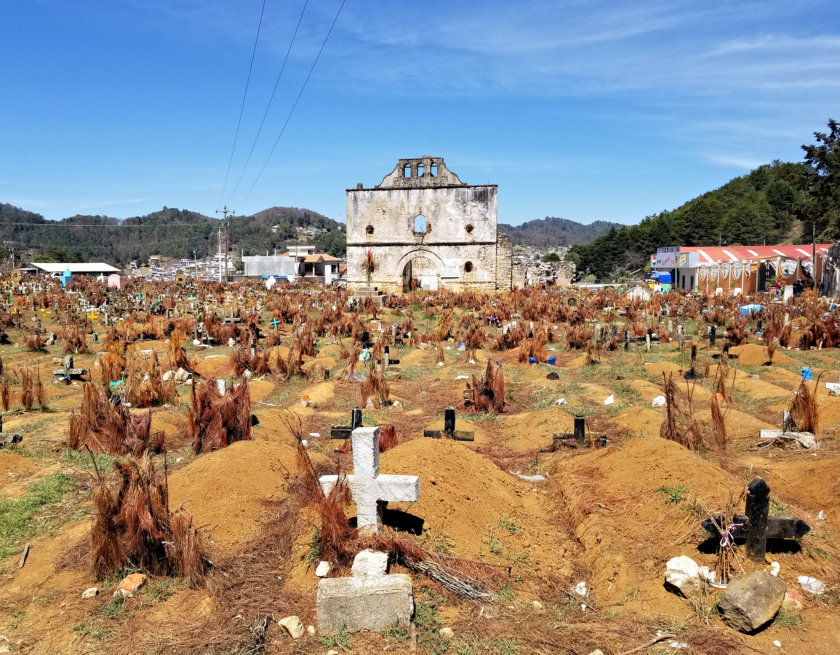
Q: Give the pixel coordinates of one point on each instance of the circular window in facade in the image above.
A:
(468, 267)
(369, 229)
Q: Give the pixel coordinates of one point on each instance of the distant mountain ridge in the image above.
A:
(169, 232)
(553, 231)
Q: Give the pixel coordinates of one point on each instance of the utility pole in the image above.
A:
(814, 253)
(223, 253)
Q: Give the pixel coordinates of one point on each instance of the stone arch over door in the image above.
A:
(403, 266)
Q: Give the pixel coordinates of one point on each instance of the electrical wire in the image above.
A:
(242, 107)
(297, 100)
(270, 100)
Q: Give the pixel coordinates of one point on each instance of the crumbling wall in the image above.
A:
(458, 227)
(504, 262)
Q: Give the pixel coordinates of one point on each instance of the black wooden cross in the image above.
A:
(346, 431)
(757, 526)
(449, 431)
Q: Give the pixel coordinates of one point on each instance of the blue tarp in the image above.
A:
(750, 309)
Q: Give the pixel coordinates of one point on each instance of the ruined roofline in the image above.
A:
(360, 187)
(419, 173)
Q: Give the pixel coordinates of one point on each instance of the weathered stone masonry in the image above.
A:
(426, 227)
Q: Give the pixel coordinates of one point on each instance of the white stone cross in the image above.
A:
(371, 490)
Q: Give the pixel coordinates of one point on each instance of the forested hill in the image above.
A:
(169, 232)
(551, 231)
(769, 205)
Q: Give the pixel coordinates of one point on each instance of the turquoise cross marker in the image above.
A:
(275, 322)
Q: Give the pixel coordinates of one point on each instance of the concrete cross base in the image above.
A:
(364, 604)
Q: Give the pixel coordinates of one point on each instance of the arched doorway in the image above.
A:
(420, 273)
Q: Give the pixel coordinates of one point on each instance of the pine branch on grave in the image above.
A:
(214, 420)
(134, 527)
(804, 412)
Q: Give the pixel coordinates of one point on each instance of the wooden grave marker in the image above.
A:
(756, 526)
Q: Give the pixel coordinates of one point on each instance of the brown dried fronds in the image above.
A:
(488, 394)
(35, 343)
(144, 386)
(75, 340)
(387, 437)
(5, 392)
(803, 415)
(102, 427)
(27, 393)
(133, 526)
(215, 420)
(375, 387)
(718, 425)
(338, 537)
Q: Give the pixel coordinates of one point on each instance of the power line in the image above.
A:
(101, 225)
(270, 100)
(242, 107)
(294, 106)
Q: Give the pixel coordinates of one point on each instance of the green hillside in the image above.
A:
(552, 231)
(766, 206)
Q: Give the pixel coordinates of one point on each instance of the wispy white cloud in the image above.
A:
(744, 164)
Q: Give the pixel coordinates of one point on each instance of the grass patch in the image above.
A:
(82, 460)
(788, 619)
(313, 552)
(86, 629)
(673, 494)
(16, 515)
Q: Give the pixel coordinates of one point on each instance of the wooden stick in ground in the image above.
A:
(23, 556)
(653, 641)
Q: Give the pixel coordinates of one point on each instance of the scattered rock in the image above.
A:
(597, 652)
(751, 601)
(686, 575)
(310, 630)
(130, 584)
(792, 600)
(323, 569)
(537, 605)
(293, 625)
(552, 376)
(182, 376)
(90, 592)
(166, 377)
(446, 633)
(370, 563)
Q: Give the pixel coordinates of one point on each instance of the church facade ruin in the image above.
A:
(422, 227)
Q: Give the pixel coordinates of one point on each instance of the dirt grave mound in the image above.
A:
(535, 430)
(259, 389)
(226, 489)
(658, 368)
(12, 466)
(463, 497)
(639, 421)
(214, 367)
(632, 508)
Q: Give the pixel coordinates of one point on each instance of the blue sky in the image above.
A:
(586, 110)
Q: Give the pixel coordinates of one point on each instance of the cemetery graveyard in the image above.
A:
(231, 469)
